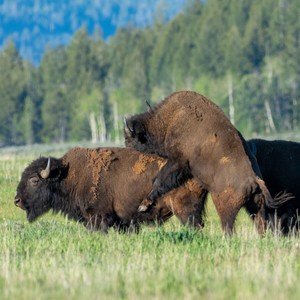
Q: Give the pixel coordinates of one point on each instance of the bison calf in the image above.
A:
(103, 188)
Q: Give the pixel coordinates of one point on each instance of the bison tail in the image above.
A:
(279, 198)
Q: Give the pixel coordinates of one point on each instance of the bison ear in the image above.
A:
(136, 129)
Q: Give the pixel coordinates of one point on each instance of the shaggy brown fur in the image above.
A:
(199, 141)
(103, 188)
(278, 162)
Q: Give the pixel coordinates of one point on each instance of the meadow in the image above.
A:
(54, 258)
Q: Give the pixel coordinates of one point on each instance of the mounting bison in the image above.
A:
(199, 141)
(279, 163)
(103, 188)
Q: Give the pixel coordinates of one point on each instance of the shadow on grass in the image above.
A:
(183, 236)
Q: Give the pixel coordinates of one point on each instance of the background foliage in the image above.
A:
(242, 54)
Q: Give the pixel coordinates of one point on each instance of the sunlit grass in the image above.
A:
(54, 258)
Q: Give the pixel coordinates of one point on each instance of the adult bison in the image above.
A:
(279, 162)
(199, 141)
(103, 188)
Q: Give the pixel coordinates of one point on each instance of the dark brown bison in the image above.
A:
(279, 162)
(103, 188)
(199, 141)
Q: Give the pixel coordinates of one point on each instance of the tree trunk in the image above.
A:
(269, 116)
(230, 98)
(93, 127)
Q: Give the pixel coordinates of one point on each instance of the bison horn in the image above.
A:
(127, 128)
(45, 173)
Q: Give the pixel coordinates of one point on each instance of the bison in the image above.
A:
(103, 188)
(279, 162)
(199, 141)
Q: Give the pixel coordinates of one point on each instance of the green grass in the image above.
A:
(54, 258)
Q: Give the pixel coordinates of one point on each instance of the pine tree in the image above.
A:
(12, 95)
(56, 109)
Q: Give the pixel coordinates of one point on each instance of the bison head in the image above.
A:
(37, 186)
(145, 133)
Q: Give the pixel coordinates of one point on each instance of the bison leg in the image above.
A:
(288, 220)
(171, 176)
(256, 208)
(285, 223)
(125, 226)
(145, 205)
(107, 221)
(260, 221)
(93, 222)
(97, 223)
(227, 206)
(191, 217)
(188, 207)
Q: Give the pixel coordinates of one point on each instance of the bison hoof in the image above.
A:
(145, 205)
(143, 208)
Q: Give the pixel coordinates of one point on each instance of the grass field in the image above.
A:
(54, 258)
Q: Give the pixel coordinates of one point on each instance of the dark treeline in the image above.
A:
(242, 54)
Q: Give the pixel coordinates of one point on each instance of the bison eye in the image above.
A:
(142, 138)
(34, 181)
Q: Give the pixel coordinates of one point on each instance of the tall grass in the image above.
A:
(54, 258)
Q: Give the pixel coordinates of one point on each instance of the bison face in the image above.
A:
(35, 189)
(138, 135)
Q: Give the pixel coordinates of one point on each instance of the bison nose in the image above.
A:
(17, 202)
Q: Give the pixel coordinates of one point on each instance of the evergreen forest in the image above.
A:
(242, 54)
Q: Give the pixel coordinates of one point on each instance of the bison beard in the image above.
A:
(103, 188)
(199, 141)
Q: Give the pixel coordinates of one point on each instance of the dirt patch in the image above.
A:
(97, 161)
(193, 186)
(141, 165)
